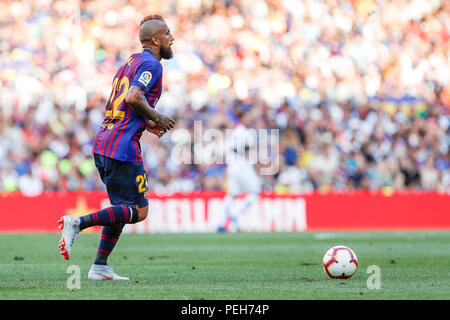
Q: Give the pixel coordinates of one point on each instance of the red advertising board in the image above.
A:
(203, 211)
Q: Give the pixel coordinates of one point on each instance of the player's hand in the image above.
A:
(155, 129)
(165, 122)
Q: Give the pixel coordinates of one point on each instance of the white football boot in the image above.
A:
(70, 229)
(101, 272)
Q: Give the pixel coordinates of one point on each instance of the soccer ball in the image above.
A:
(340, 262)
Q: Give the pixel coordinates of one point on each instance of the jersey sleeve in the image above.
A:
(147, 75)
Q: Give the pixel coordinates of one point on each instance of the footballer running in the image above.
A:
(130, 110)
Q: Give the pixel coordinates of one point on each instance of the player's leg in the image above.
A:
(233, 190)
(249, 200)
(99, 269)
(229, 201)
(72, 226)
(111, 216)
(137, 195)
(117, 176)
(142, 213)
(114, 215)
(110, 235)
(250, 183)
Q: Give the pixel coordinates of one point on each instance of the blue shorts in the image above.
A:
(126, 182)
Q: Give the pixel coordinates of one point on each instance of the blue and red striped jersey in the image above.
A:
(119, 135)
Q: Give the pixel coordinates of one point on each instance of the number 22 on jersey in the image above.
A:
(114, 112)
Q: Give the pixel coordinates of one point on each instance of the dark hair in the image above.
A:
(151, 17)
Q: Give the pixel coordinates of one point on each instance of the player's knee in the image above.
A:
(142, 213)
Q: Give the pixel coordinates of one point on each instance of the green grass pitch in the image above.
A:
(414, 265)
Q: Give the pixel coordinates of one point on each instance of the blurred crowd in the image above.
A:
(359, 90)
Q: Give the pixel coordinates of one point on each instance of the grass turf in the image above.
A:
(414, 265)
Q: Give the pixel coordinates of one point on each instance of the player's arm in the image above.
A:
(145, 78)
(136, 99)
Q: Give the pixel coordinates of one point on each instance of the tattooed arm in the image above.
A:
(136, 99)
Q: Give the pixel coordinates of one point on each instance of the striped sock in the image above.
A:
(110, 236)
(110, 216)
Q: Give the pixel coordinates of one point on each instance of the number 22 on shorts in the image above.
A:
(142, 183)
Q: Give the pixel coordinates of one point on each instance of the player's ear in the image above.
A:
(156, 41)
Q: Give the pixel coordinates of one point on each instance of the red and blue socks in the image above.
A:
(110, 236)
(110, 216)
(112, 219)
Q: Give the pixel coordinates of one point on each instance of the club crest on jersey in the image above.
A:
(145, 78)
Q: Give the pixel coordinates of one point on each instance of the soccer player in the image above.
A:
(241, 175)
(136, 89)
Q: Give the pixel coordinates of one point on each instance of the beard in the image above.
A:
(165, 52)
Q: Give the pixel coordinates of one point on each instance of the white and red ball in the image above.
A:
(340, 262)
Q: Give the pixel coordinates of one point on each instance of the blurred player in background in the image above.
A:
(137, 87)
(242, 178)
